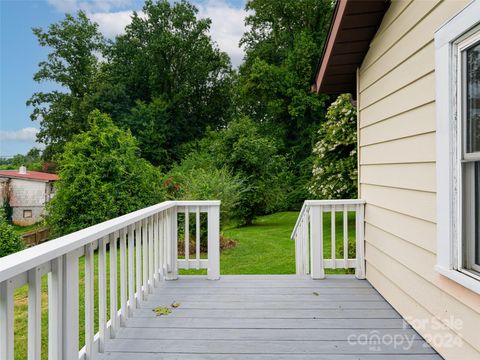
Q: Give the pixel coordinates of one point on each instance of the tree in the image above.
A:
(10, 241)
(251, 157)
(72, 65)
(283, 47)
(101, 177)
(171, 78)
(335, 165)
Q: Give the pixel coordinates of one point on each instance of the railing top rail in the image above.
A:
(335, 202)
(17, 263)
(299, 219)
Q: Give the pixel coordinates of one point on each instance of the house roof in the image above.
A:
(354, 25)
(32, 175)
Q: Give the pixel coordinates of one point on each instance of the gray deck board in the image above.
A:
(267, 317)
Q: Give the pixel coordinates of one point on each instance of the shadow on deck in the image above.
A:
(268, 317)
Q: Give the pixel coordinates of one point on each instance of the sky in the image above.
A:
(20, 52)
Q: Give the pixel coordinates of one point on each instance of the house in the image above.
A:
(414, 69)
(27, 192)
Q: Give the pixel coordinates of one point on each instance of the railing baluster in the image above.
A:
(102, 293)
(55, 332)
(187, 238)
(150, 255)
(155, 250)
(6, 320)
(145, 259)
(163, 239)
(345, 236)
(113, 285)
(138, 264)
(34, 314)
(197, 237)
(174, 243)
(333, 240)
(123, 277)
(70, 306)
(89, 296)
(131, 272)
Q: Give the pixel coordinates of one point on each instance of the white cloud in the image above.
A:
(227, 26)
(25, 134)
(226, 29)
(112, 24)
(90, 6)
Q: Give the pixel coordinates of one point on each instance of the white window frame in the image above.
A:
(449, 41)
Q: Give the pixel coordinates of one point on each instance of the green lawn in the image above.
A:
(20, 230)
(263, 248)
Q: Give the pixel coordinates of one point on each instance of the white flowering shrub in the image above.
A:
(335, 165)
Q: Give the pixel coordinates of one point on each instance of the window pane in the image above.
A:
(477, 213)
(473, 99)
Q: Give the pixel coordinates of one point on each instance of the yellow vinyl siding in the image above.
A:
(418, 148)
(414, 40)
(397, 170)
(404, 304)
(400, 126)
(409, 228)
(416, 176)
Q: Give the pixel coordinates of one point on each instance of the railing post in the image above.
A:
(360, 241)
(213, 272)
(316, 242)
(6, 320)
(172, 252)
(70, 306)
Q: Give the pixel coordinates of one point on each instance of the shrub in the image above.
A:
(335, 164)
(10, 241)
(101, 177)
(198, 183)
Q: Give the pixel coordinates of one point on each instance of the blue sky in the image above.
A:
(20, 52)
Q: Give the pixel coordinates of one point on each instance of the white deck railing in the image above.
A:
(148, 246)
(308, 234)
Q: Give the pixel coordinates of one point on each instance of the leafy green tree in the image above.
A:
(283, 47)
(101, 177)
(253, 158)
(335, 165)
(71, 65)
(172, 80)
(10, 241)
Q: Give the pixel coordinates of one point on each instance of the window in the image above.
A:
(457, 71)
(469, 114)
(27, 214)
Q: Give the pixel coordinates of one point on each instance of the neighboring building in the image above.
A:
(27, 193)
(414, 69)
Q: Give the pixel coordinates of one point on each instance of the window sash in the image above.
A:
(467, 156)
(468, 243)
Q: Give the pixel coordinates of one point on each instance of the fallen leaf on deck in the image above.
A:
(162, 310)
(175, 305)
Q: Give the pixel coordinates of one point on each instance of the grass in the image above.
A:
(263, 248)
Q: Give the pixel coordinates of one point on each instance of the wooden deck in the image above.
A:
(268, 318)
